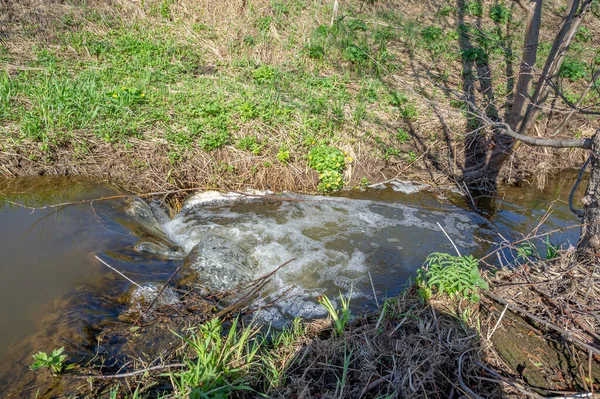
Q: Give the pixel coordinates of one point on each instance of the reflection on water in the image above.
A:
(47, 253)
(51, 283)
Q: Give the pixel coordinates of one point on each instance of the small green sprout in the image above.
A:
(55, 362)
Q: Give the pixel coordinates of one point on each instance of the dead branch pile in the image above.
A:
(556, 302)
(564, 293)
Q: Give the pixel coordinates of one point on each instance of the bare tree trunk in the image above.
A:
(532, 34)
(555, 59)
(589, 242)
(575, 12)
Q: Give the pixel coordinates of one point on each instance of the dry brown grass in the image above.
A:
(412, 350)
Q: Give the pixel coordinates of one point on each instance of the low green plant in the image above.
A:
(411, 156)
(315, 51)
(451, 275)
(573, 69)
(281, 354)
(324, 157)
(474, 54)
(402, 136)
(54, 361)
(527, 250)
(263, 24)
(341, 316)
(218, 364)
(446, 10)
(364, 183)
(329, 162)
(551, 249)
(283, 155)
(265, 74)
(474, 8)
(434, 39)
(114, 393)
(583, 34)
(500, 13)
(341, 382)
(330, 180)
(398, 99)
(356, 24)
(355, 54)
(409, 111)
(250, 143)
(213, 141)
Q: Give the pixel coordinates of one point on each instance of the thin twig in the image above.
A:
(119, 273)
(464, 386)
(373, 288)
(513, 384)
(153, 194)
(450, 239)
(159, 294)
(132, 373)
(497, 323)
(572, 194)
(530, 238)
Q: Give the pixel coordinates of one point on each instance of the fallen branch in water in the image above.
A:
(153, 194)
(256, 286)
(119, 273)
(508, 244)
(112, 197)
(158, 295)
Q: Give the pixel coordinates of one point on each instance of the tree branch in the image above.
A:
(567, 143)
(505, 128)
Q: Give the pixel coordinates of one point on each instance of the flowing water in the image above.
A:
(54, 291)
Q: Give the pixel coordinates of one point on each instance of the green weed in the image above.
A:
(551, 250)
(573, 69)
(283, 155)
(250, 143)
(265, 74)
(214, 141)
(218, 365)
(398, 99)
(402, 136)
(434, 39)
(55, 361)
(500, 13)
(315, 51)
(277, 360)
(329, 162)
(452, 275)
(474, 8)
(341, 316)
(409, 111)
(446, 10)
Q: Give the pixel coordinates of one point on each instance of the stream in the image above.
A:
(54, 291)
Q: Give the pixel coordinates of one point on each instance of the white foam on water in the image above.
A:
(330, 239)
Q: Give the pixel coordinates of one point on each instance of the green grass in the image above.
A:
(285, 83)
